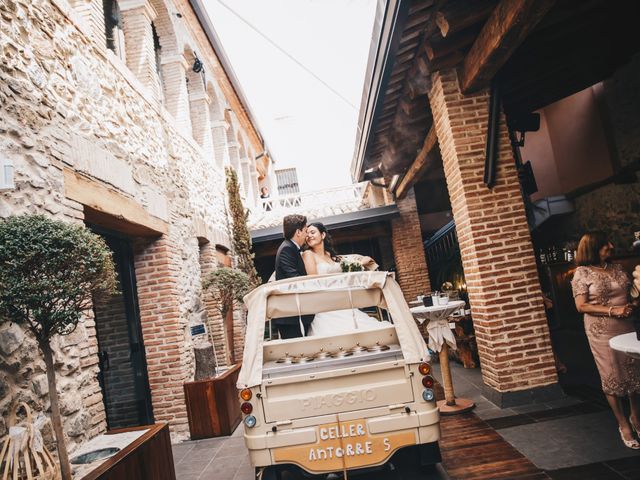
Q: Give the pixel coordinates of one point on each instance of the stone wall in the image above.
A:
(70, 109)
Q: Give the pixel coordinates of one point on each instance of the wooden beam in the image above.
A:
(419, 164)
(106, 207)
(437, 46)
(460, 14)
(505, 30)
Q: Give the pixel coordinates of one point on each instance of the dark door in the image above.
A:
(123, 367)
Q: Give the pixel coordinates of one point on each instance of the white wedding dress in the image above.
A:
(340, 321)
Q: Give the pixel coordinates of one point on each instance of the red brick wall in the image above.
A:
(163, 330)
(406, 240)
(119, 378)
(497, 254)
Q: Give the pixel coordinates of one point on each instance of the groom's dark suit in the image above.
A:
(289, 264)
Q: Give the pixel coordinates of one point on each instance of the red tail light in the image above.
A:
(246, 408)
(427, 381)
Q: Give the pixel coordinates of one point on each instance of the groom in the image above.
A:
(289, 264)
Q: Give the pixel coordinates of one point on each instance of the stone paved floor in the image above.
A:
(566, 438)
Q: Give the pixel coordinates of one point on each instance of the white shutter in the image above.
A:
(6, 174)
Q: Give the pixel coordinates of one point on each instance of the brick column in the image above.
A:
(219, 137)
(163, 330)
(137, 16)
(406, 239)
(497, 254)
(92, 14)
(200, 121)
(174, 69)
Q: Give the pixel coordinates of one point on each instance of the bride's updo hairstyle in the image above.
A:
(327, 242)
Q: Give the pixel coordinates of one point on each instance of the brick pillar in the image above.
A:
(497, 254)
(219, 137)
(163, 330)
(137, 16)
(174, 69)
(217, 327)
(406, 239)
(200, 123)
(92, 14)
(248, 181)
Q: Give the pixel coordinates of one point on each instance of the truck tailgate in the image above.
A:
(343, 392)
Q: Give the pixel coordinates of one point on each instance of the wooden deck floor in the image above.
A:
(472, 450)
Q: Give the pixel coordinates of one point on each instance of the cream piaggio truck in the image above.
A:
(346, 403)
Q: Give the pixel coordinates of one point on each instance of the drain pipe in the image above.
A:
(491, 155)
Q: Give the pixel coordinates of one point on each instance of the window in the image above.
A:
(287, 181)
(157, 50)
(114, 31)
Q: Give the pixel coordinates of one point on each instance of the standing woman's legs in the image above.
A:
(634, 404)
(616, 406)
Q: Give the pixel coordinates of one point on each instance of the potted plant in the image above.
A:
(212, 404)
(50, 273)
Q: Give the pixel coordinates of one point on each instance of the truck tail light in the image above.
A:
(428, 395)
(250, 421)
(245, 394)
(246, 408)
(427, 381)
(424, 368)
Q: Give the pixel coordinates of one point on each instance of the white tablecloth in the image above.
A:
(438, 326)
(626, 343)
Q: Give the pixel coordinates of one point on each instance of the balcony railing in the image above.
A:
(269, 212)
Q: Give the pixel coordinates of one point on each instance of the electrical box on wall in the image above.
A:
(6, 174)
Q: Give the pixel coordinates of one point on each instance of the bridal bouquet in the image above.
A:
(350, 265)
(354, 262)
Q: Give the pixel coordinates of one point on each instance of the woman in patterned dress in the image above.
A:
(601, 292)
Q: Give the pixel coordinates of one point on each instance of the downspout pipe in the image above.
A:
(491, 154)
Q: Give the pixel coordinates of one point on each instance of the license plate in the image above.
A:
(343, 445)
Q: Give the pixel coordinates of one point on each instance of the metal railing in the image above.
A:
(441, 243)
(268, 212)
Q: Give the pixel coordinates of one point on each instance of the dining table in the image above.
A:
(441, 338)
(626, 343)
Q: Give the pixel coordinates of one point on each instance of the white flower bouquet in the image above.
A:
(357, 263)
(350, 265)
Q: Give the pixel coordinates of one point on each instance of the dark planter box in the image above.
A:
(213, 407)
(147, 458)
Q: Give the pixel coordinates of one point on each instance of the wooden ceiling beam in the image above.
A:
(419, 164)
(455, 16)
(437, 47)
(505, 30)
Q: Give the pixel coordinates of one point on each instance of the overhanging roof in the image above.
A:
(361, 217)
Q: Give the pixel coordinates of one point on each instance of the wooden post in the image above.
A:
(449, 395)
(450, 405)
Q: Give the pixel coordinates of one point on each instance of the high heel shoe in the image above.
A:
(633, 444)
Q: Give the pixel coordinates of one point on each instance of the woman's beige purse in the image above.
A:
(24, 455)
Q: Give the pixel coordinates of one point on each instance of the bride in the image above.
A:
(321, 259)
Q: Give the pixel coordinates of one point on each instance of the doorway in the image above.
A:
(123, 368)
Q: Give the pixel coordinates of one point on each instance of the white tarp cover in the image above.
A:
(316, 293)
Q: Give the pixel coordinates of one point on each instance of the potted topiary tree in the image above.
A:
(50, 273)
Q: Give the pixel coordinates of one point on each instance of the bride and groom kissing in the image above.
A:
(308, 250)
